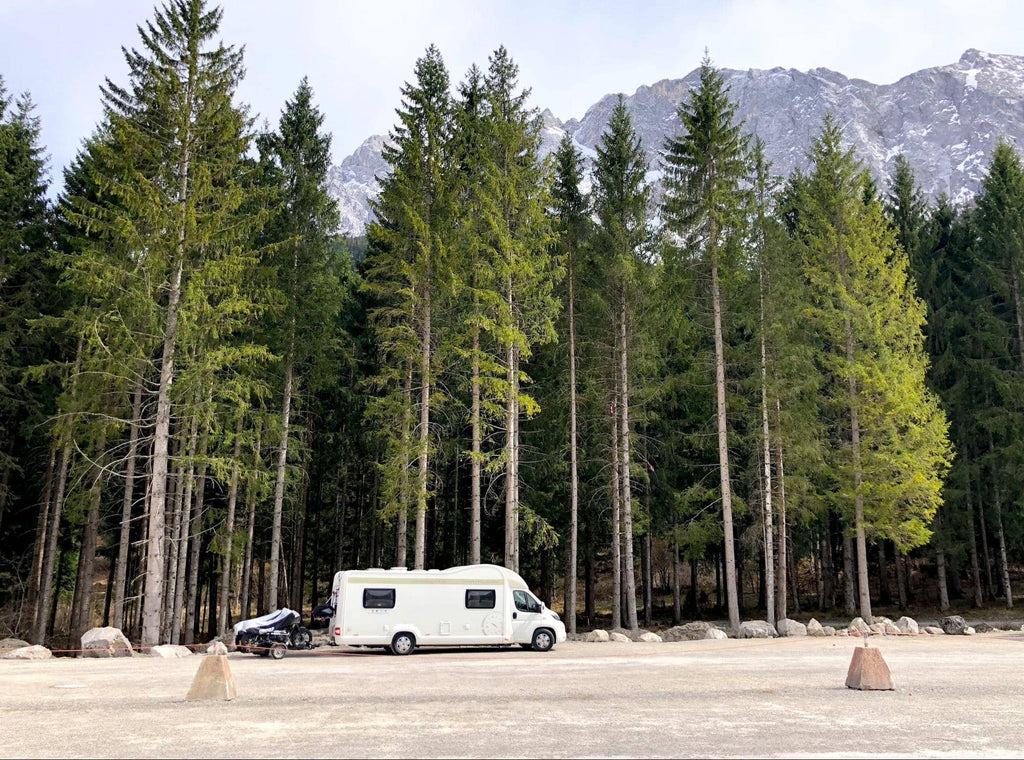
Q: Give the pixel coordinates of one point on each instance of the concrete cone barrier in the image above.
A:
(868, 671)
(213, 680)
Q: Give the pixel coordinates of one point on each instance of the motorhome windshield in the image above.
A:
(525, 601)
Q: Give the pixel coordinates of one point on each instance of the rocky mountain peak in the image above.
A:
(947, 120)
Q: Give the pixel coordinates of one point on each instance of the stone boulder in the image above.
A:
(105, 642)
(6, 645)
(216, 647)
(650, 637)
(984, 628)
(969, 631)
(788, 627)
(619, 637)
(694, 631)
(889, 628)
(830, 631)
(814, 628)
(932, 630)
(953, 625)
(598, 635)
(877, 628)
(907, 625)
(716, 633)
(33, 652)
(857, 625)
(756, 629)
(170, 651)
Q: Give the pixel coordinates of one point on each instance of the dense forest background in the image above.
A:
(752, 396)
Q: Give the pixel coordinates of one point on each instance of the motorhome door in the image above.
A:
(525, 613)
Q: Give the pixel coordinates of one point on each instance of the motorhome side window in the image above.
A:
(480, 599)
(525, 602)
(379, 598)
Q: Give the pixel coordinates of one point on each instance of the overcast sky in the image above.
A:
(358, 53)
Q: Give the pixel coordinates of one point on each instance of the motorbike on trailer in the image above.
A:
(272, 634)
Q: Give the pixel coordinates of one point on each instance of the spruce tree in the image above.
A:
(869, 323)
(172, 197)
(621, 247)
(703, 205)
(299, 155)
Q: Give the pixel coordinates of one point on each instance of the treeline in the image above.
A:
(779, 394)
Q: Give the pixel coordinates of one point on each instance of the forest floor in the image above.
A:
(955, 696)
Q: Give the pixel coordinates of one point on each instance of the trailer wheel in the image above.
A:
(403, 643)
(277, 651)
(543, 640)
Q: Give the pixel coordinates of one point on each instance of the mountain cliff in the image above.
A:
(946, 120)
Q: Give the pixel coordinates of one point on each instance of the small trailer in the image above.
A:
(475, 605)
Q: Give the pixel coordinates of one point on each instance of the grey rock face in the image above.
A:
(857, 625)
(170, 651)
(946, 120)
(694, 631)
(105, 642)
(787, 627)
(757, 629)
(33, 652)
(907, 625)
(953, 625)
(6, 645)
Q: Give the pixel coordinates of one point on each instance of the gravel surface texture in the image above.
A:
(955, 696)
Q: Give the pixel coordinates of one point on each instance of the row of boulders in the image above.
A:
(102, 642)
(762, 629)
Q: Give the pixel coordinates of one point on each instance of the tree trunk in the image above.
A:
(979, 602)
(767, 518)
(940, 567)
(39, 546)
(194, 544)
(46, 594)
(849, 582)
(250, 528)
(723, 456)
(573, 463)
(174, 548)
(81, 615)
(677, 601)
(229, 531)
(1004, 566)
(512, 458)
(282, 462)
(884, 597)
(402, 523)
(901, 579)
(616, 528)
(781, 585)
(121, 564)
(648, 580)
(476, 456)
(624, 462)
(989, 582)
(424, 447)
(184, 533)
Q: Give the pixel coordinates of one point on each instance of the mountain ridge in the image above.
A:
(946, 119)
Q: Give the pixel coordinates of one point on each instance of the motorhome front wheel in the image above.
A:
(543, 640)
(403, 643)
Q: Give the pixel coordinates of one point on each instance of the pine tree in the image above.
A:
(706, 165)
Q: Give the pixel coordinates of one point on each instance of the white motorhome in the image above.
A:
(475, 605)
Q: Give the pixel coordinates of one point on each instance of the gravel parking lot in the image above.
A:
(955, 697)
